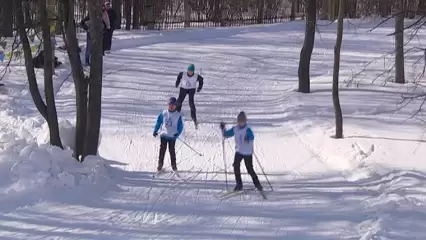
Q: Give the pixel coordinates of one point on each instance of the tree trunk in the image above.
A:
(128, 13)
(6, 18)
(308, 47)
(116, 5)
(421, 7)
(52, 117)
(95, 83)
(351, 8)
(399, 42)
(187, 13)
(32, 80)
(136, 14)
(27, 12)
(410, 9)
(260, 11)
(293, 10)
(80, 82)
(332, 6)
(324, 10)
(336, 68)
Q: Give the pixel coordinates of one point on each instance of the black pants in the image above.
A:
(108, 39)
(182, 94)
(163, 147)
(248, 161)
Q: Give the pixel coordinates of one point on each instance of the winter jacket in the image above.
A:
(112, 18)
(171, 124)
(188, 82)
(86, 22)
(244, 138)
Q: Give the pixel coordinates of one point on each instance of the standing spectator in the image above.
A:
(85, 24)
(109, 33)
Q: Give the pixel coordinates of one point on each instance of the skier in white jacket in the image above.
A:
(188, 85)
(244, 138)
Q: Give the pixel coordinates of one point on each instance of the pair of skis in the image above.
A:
(163, 172)
(233, 193)
(174, 174)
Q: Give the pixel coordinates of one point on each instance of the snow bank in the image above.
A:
(66, 132)
(344, 155)
(27, 163)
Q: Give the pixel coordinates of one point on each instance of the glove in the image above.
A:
(222, 125)
(155, 134)
(176, 135)
(198, 89)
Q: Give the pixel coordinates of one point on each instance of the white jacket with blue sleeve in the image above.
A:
(170, 125)
(244, 138)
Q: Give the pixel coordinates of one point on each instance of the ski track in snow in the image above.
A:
(318, 193)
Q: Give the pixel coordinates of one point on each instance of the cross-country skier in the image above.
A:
(171, 124)
(244, 138)
(188, 85)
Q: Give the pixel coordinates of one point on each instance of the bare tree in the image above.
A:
(332, 9)
(48, 111)
(95, 83)
(6, 19)
(88, 88)
(117, 5)
(128, 13)
(136, 14)
(335, 91)
(421, 7)
(29, 67)
(52, 116)
(293, 10)
(308, 47)
(399, 41)
(80, 81)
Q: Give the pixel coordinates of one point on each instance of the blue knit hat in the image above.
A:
(191, 68)
(173, 101)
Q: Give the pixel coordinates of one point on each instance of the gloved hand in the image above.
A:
(155, 134)
(222, 125)
(176, 135)
(246, 138)
(198, 89)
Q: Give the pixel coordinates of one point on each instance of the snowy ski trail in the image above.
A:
(323, 188)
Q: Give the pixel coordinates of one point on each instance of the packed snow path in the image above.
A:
(323, 189)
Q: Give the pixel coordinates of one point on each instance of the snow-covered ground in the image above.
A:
(370, 185)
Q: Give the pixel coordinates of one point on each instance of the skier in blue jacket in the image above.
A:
(171, 124)
(244, 138)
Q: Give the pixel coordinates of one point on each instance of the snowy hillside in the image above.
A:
(370, 185)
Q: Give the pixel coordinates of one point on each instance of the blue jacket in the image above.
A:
(169, 124)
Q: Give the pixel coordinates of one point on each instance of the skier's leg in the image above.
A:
(172, 152)
(248, 161)
(163, 146)
(181, 98)
(108, 40)
(104, 41)
(237, 171)
(191, 93)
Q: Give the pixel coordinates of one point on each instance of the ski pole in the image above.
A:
(224, 162)
(263, 171)
(191, 147)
